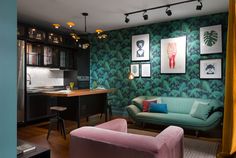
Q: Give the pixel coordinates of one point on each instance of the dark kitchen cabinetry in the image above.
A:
(47, 48)
(83, 71)
(38, 106)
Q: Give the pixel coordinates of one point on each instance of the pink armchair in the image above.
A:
(111, 140)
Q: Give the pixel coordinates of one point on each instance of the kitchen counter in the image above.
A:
(81, 92)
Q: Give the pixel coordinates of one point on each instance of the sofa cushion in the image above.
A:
(146, 104)
(160, 108)
(138, 101)
(200, 110)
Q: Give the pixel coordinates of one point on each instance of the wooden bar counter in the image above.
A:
(82, 103)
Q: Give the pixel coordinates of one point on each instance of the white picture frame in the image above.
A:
(211, 69)
(140, 47)
(146, 70)
(211, 39)
(173, 55)
(134, 69)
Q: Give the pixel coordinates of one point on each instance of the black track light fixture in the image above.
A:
(199, 6)
(168, 11)
(145, 16)
(126, 18)
(167, 6)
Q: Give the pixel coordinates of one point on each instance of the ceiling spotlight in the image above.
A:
(199, 6)
(145, 16)
(168, 11)
(126, 18)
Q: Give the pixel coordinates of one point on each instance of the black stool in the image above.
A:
(57, 120)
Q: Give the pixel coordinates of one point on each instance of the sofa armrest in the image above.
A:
(133, 110)
(119, 125)
(170, 142)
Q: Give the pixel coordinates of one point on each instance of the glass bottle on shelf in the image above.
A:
(54, 38)
(36, 34)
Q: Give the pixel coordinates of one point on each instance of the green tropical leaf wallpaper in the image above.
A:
(110, 61)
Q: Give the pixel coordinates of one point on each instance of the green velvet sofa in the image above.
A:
(178, 113)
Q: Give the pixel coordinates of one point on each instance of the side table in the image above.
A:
(38, 152)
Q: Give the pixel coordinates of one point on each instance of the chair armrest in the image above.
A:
(119, 125)
(170, 142)
(133, 110)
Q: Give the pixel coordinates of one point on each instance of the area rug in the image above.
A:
(193, 148)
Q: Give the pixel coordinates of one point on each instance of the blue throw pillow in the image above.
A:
(155, 107)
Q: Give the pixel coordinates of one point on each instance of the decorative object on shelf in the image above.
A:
(36, 34)
(168, 11)
(54, 38)
(134, 69)
(211, 39)
(173, 55)
(211, 69)
(140, 47)
(146, 70)
(101, 34)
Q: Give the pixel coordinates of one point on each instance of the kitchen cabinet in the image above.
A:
(38, 106)
(47, 48)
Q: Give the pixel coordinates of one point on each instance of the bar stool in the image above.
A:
(57, 120)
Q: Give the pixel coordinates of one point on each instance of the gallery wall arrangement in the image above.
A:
(112, 59)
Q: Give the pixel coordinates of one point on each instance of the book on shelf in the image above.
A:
(25, 148)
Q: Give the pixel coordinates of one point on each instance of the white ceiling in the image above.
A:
(108, 14)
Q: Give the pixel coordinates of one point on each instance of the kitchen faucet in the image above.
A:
(28, 75)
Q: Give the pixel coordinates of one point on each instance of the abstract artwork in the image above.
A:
(173, 55)
(134, 68)
(140, 47)
(211, 39)
(211, 69)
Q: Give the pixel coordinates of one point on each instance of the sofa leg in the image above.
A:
(196, 133)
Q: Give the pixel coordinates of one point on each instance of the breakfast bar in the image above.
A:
(82, 103)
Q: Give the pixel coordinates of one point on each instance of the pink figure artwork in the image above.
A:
(171, 51)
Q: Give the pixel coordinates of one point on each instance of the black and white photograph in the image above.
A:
(140, 47)
(211, 68)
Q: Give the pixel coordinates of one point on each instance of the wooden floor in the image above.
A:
(37, 134)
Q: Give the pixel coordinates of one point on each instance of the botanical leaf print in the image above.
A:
(210, 38)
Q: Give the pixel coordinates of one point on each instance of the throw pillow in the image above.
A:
(195, 105)
(146, 104)
(202, 111)
(160, 108)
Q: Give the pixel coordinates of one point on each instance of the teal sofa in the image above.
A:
(178, 113)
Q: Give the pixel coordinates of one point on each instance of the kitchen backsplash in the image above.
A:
(44, 77)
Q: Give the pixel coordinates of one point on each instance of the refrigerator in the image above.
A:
(20, 81)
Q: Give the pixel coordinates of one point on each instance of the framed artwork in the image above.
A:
(146, 70)
(211, 39)
(173, 55)
(134, 68)
(140, 47)
(211, 69)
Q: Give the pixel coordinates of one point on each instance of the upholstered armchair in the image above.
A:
(111, 140)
